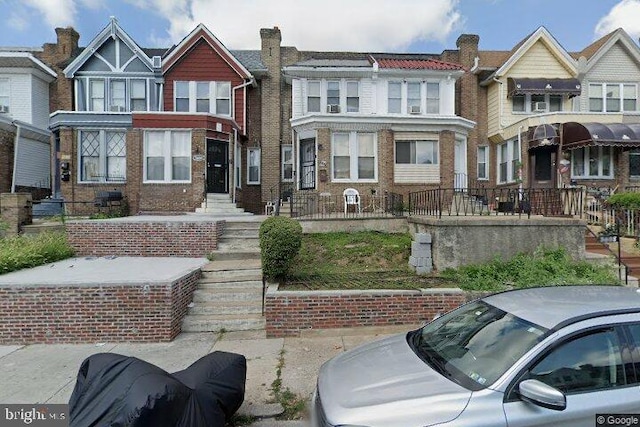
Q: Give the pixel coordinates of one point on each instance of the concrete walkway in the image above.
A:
(46, 373)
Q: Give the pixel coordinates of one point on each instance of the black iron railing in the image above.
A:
(315, 205)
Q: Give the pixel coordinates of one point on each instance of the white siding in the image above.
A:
(539, 62)
(493, 108)
(448, 97)
(366, 96)
(297, 99)
(412, 174)
(20, 102)
(40, 103)
(34, 167)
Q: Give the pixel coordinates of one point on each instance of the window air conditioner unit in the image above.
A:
(118, 108)
(415, 109)
(157, 61)
(4, 108)
(540, 106)
(333, 108)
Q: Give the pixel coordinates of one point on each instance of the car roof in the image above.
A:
(553, 306)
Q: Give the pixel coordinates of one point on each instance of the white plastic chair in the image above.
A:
(351, 197)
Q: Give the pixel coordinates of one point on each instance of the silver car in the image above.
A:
(549, 356)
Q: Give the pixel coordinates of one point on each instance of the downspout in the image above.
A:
(233, 100)
(15, 157)
(235, 161)
(160, 96)
(520, 177)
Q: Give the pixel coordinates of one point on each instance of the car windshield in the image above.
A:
(475, 344)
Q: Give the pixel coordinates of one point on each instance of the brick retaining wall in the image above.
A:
(147, 239)
(150, 312)
(288, 313)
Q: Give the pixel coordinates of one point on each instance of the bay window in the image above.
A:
(395, 97)
(354, 156)
(223, 98)
(433, 98)
(313, 96)
(333, 93)
(167, 156)
(592, 162)
(353, 97)
(103, 155)
(414, 99)
(253, 166)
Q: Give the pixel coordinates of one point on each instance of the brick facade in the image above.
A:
(99, 313)
(147, 239)
(289, 313)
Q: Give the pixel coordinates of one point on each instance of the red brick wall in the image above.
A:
(106, 313)
(289, 313)
(156, 239)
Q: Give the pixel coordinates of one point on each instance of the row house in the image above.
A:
(556, 118)
(24, 120)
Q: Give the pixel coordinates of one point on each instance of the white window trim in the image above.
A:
(249, 150)
(631, 153)
(346, 95)
(603, 96)
(284, 148)
(485, 148)
(167, 156)
(404, 96)
(7, 95)
(353, 158)
(435, 142)
(511, 145)
(213, 93)
(102, 158)
(129, 94)
(586, 164)
(547, 99)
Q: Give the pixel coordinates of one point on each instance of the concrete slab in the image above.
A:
(262, 359)
(8, 349)
(278, 423)
(35, 373)
(303, 358)
(105, 270)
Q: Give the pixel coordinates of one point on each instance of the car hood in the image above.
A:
(386, 383)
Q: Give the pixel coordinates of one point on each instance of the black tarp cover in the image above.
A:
(115, 390)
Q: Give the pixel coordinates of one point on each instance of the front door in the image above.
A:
(308, 164)
(217, 166)
(460, 164)
(542, 167)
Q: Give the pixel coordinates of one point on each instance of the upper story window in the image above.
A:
(203, 97)
(413, 97)
(313, 96)
(613, 97)
(354, 156)
(333, 96)
(118, 99)
(96, 95)
(115, 95)
(138, 99)
(5, 95)
(536, 103)
(353, 97)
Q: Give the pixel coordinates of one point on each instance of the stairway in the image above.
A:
(229, 296)
(601, 253)
(220, 205)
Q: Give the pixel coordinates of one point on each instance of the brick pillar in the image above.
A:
(324, 161)
(15, 211)
(386, 161)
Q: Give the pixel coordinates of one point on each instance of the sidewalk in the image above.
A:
(46, 373)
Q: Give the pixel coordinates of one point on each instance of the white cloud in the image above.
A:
(57, 13)
(375, 25)
(18, 21)
(625, 14)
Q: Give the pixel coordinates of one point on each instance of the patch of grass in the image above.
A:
(31, 251)
(385, 279)
(241, 420)
(546, 267)
(294, 405)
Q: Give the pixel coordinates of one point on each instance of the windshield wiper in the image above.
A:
(427, 354)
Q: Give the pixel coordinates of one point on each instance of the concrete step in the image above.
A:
(220, 211)
(231, 235)
(236, 284)
(34, 229)
(215, 323)
(243, 225)
(251, 264)
(225, 307)
(228, 294)
(231, 276)
(239, 233)
(235, 245)
(236, 255)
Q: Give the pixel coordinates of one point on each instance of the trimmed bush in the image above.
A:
(280, 241)
(31, 251)
(624, 201)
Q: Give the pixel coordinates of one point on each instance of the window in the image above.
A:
(555, 103)
(5, 93)
(518, 102)
(103, 155)
(138, 95)
(313, 97)
(592, 162)
(202, 97)
(417, 152)
(353, 97)
(414, 99)
(613, 97)
(508, 162)
(483, 162)
(287, 162)
(167, 156)
(588, 363)
(634, 164)
(118, 98)
(253, 165)
(182, 96)
(354, 156)
(433, 98)
(333, 93)
(395, 97)
(536, 103)
(96, 95)
(223, 98)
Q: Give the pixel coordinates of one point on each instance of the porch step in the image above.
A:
(217, 323)
(232, 266)
(224, 307)
(231, 275)
(236, 255)
(228, 293)
(240, 285)
(249, 244)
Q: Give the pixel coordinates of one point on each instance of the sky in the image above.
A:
(427, 26)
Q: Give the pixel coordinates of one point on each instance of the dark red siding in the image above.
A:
(203, 63)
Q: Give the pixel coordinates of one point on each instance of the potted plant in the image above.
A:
(608, 234)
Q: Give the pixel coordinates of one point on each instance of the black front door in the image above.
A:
(217, 166)
(543, 171)
(308, 164)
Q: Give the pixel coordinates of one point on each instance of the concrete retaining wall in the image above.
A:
(288, 313)
(386, 225)
(460, 241)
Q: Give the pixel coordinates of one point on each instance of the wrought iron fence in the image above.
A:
(314, 205)
(497, 201)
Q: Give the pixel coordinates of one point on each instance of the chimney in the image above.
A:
(67, 41)
(468, 47)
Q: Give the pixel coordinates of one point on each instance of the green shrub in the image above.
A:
(31, 251)
(280, 240)
(624, 201)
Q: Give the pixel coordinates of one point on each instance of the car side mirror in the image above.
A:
(541, 394)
